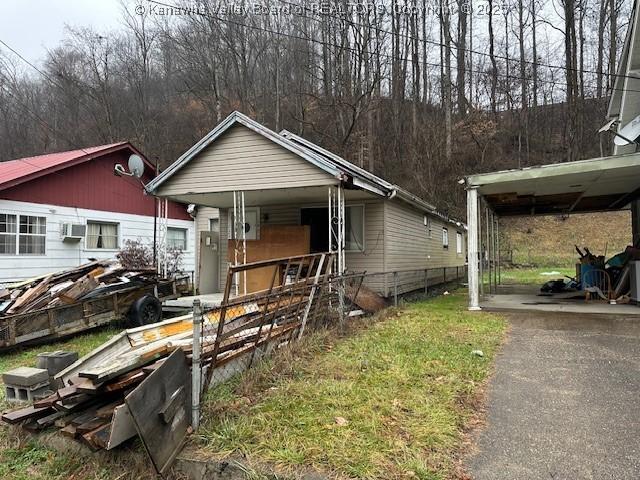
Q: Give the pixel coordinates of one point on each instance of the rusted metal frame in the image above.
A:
(292, 296)
(309, 301)
(274, 313)
(266, 309)
(223, 311)
(274, 261)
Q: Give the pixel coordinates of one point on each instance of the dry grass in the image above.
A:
(388, 401)
(549, 241)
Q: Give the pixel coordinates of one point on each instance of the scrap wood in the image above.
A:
(80, 287)
(20, 415)
(366, 299)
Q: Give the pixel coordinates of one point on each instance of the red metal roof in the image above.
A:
(14, 172)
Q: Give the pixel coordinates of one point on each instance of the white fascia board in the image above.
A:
(554, 170)
(317, 148)
(232, 119)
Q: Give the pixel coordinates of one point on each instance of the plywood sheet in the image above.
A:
(276, 241)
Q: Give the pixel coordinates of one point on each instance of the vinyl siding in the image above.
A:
(371, 260)
(60, 255)
(241, 159)
(408, 246)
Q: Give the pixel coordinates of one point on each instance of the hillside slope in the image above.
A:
(549, 241)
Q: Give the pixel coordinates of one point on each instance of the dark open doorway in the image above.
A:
(317, 218)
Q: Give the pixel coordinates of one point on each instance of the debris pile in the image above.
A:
(70, 286)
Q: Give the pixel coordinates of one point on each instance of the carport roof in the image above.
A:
(599, 184)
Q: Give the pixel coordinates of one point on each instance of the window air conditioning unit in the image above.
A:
(73, 232)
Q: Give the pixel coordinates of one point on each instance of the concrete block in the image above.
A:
(55, 362)
(19, 393)
(25, 376)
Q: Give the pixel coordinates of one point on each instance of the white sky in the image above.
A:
(33, 26)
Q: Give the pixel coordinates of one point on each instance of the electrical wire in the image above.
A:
(371, 54)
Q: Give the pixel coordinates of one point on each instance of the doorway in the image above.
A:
(209, 263)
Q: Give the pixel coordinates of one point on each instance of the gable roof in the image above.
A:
(20, 170)
(327, 161)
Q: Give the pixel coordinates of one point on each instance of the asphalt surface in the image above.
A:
(564, 402)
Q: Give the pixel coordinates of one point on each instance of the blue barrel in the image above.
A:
(584, 268)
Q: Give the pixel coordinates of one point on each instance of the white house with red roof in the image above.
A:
(59, 210)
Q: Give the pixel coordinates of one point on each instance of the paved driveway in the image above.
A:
(564, 402)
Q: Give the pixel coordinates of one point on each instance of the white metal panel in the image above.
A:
(60, 255)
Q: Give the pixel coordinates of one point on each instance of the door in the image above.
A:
(209, 263)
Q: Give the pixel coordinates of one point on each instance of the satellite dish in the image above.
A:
(136, 165)
(629, 133)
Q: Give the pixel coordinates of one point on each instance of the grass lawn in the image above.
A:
(534, 276)
(389, 400)
(83, 344)
(26, 458)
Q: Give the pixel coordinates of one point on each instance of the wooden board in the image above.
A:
(161, 409)
(122, 427)
(276, 241)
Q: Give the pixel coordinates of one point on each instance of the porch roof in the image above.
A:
(599, 184)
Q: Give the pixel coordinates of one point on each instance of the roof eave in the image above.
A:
(232, 119)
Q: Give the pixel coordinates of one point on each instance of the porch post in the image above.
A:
(472, 248)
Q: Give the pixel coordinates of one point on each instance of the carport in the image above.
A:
(594, 185)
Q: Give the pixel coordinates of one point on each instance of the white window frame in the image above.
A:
(17, 234)
(459, 240)
(445, 237)
(230, 229)
(428, 225)
(186, 237)
(103, 222)
(217, 220)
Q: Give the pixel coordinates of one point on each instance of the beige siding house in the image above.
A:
(285, 182)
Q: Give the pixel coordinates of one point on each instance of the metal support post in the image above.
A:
(395, 289)
(426, 281)
(472, 248)
(196, 373)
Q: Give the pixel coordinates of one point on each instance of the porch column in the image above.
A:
(472, 248)
(635, 221)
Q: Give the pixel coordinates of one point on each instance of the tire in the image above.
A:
(144, 311)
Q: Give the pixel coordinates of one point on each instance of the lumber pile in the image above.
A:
(89, 403)
(70, 286)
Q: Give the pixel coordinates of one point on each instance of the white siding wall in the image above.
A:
(409, 246)
(60, 255)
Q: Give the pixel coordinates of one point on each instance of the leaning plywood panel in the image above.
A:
(160, 407)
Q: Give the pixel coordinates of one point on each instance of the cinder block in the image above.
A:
(19, 393)
(25, 376)
(55, 362)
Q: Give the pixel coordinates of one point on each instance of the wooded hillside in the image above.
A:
(420, 92)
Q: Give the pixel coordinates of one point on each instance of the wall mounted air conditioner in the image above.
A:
(72, 232)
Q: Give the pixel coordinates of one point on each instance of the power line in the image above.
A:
(379, 54)
(468, 50)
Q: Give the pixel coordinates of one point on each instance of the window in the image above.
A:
(459, 243)
(214, 224)
(354, 228)
(177, 238)
(445, 238)
(318, 217)
(102, 235)
(8, 230)
(22, 235)
(427, 223)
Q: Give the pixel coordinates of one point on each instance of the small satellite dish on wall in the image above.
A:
(629, 133)
(136, 165)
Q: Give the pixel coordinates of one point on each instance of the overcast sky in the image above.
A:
(33, 26)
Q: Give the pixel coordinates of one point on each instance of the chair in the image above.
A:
(597, 283)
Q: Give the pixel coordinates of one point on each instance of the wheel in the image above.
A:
(144, 311)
